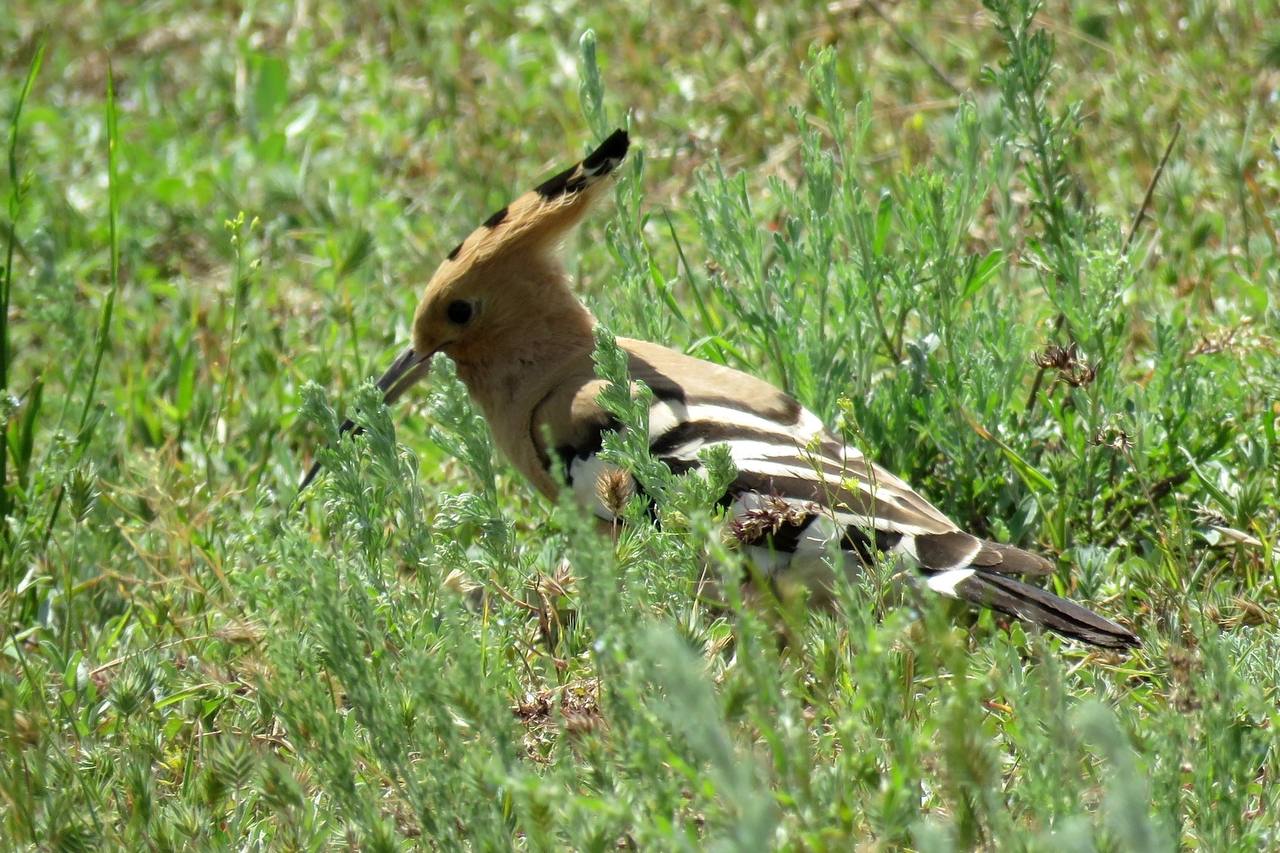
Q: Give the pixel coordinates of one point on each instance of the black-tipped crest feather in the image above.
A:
(597, 164)
(605, 159)
(496, 218)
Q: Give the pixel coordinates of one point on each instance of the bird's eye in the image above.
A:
(458, 312)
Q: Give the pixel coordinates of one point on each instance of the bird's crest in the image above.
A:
(537, 220)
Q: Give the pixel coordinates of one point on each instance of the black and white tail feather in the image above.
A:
(801, 495)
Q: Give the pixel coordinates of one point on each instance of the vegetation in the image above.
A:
(948, 228)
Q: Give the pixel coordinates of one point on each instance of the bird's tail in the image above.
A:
(1034, 605)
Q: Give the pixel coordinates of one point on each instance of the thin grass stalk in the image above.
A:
(113, 272)
(6, 284)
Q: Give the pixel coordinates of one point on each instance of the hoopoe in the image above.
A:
(500, 307)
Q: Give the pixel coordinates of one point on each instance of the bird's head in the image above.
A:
(505, 278)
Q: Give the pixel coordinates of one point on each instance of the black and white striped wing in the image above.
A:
(801, 491)
(802, 497)
(798, 488)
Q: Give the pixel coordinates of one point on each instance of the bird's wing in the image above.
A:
(798, 487)
(799, 490)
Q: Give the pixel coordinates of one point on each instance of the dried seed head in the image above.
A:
(458, 582)
(240, 631)
(559, 584)
(1113, 437)
(774, 513)
(614, 487)
(1071, 368)
(471, 592)
(1226, 340)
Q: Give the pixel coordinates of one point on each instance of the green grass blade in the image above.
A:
(113, 272)
(6, 278)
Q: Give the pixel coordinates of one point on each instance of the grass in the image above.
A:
(937, 224)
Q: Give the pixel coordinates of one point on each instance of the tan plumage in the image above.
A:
(500, 307)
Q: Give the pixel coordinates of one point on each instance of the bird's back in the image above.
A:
(785, 455)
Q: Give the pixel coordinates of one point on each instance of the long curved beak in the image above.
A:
(403, 373)
(408, 368)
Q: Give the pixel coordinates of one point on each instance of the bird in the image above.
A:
(501, 307)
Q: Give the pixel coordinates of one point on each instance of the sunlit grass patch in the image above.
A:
(933, 233)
